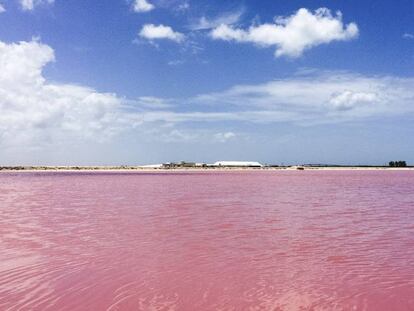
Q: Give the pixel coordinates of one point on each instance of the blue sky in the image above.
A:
(141, 81)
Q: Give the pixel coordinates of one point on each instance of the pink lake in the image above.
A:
(259, 240)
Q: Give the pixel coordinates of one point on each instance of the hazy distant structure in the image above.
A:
(183, 164)
(237, 164)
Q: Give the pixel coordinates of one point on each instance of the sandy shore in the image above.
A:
(107, 169)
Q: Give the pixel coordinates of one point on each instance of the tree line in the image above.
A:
(397, 164)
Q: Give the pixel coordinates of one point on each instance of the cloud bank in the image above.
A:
(321, 97)
(35, 111)
(294, 34)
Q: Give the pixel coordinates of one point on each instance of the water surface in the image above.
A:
(266, 240)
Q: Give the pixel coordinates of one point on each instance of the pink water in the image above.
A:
(297, 240)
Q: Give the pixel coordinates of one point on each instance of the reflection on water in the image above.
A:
(207, 241)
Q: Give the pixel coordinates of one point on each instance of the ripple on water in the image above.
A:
(212, 241)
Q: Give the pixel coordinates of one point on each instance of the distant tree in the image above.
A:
(402, 164)
(398, 164)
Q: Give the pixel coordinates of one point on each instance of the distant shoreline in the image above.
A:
(137, 169)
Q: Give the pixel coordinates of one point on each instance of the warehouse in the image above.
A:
(237, 164)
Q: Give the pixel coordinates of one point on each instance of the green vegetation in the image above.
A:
(398, 164)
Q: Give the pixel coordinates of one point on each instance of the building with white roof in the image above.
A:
(237, 164)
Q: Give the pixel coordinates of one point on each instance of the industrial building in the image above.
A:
(237, 164)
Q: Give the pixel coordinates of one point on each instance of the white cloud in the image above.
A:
(228, 18)
(2, 8)
(29, 5)
(349, 100)
(143, 6)
(408, 36)
(160, 32)
(294, 34)
(32, 109)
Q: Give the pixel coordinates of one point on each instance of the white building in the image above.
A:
(151, 166)
(237, 164)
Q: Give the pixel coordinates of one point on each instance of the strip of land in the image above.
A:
(188, 169)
